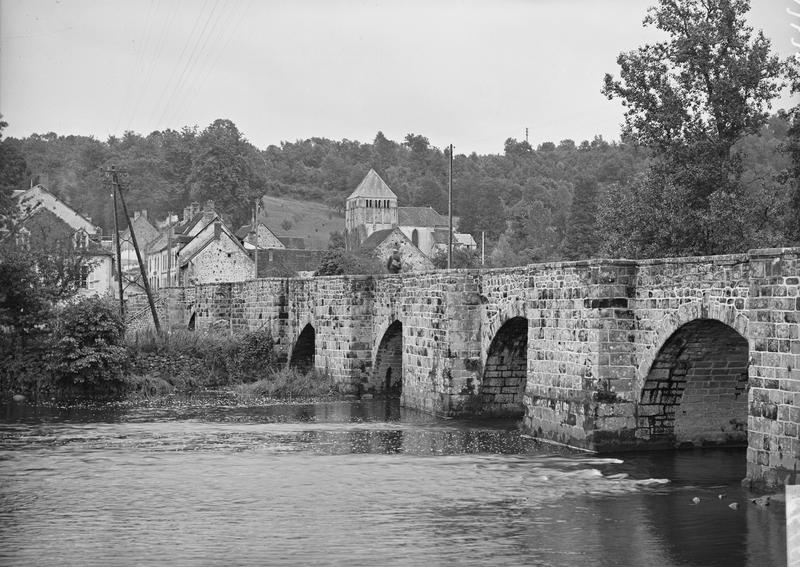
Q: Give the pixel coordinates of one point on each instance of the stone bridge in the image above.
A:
(605, 355)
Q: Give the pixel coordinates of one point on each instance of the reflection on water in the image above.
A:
(355, 484)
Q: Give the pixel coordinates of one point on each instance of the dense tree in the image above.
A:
(690, 99)
(792, 148)
(13, 171)
(220, 171)
(463, 258)
(581, 239)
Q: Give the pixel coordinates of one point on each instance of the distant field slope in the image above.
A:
(313, 222)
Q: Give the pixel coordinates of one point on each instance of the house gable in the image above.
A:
(38, 198)
(220, 259)
(381, 244)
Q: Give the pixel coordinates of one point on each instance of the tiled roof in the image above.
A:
(372, 187)
(243, 231)
(279, 262)
(374, 239)
(441, 236)
(420, 216)
(292, 242)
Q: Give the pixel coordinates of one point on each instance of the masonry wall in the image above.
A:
(440, 313)
(774, 332)
(221, 260)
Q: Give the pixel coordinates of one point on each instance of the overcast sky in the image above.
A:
(469, 72)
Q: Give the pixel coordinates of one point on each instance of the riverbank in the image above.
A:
(150, 366)
(279, 386)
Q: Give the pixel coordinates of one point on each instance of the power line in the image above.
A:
(139, 54)
(180, 59)
(159, 48)
(191, 61)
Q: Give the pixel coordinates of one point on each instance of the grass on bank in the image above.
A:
(280, 384)
(247, 366)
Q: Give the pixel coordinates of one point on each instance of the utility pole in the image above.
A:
(255, 228)
(113, 175)
(169, 249)
(450, 211)
(483, 247)
(119, 258)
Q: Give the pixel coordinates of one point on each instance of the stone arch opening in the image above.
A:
(695, 393)
(505, 373)
(415, 237)
(304, 349)
(192, 323)
(387, 378)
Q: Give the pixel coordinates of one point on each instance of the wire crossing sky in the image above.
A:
(470, 72)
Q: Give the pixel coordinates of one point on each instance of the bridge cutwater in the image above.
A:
(605, 355)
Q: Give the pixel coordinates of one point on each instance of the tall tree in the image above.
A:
(691, 98)
(221, 172)
(581, 240)
(13, 171)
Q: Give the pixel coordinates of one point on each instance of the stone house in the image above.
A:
(47, 222)
(382, 243)
(373, 207)
(214, 255)
(185, 252)
(267, 240)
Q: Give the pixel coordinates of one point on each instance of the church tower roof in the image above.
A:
(372, 187)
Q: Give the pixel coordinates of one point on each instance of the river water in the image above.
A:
(355, 483)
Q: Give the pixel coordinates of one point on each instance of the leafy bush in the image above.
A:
(23, 367)
(86, 347)
(253, 353)
(462, 258)
(206, 359)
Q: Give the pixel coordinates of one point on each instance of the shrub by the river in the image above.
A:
(288, 383)
(86, 355)
(190, 360)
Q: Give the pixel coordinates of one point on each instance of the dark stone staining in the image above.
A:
(694, 393)
(303, 352)
(506, 372)
(387, 379)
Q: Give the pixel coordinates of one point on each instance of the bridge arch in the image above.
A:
(505, 372)
(694, 391)
(304, 350)
(387, 364)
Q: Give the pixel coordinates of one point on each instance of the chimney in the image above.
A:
(208, 210)
(217, 229)
(190, 211)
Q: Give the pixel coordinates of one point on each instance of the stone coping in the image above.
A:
(721, 259)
